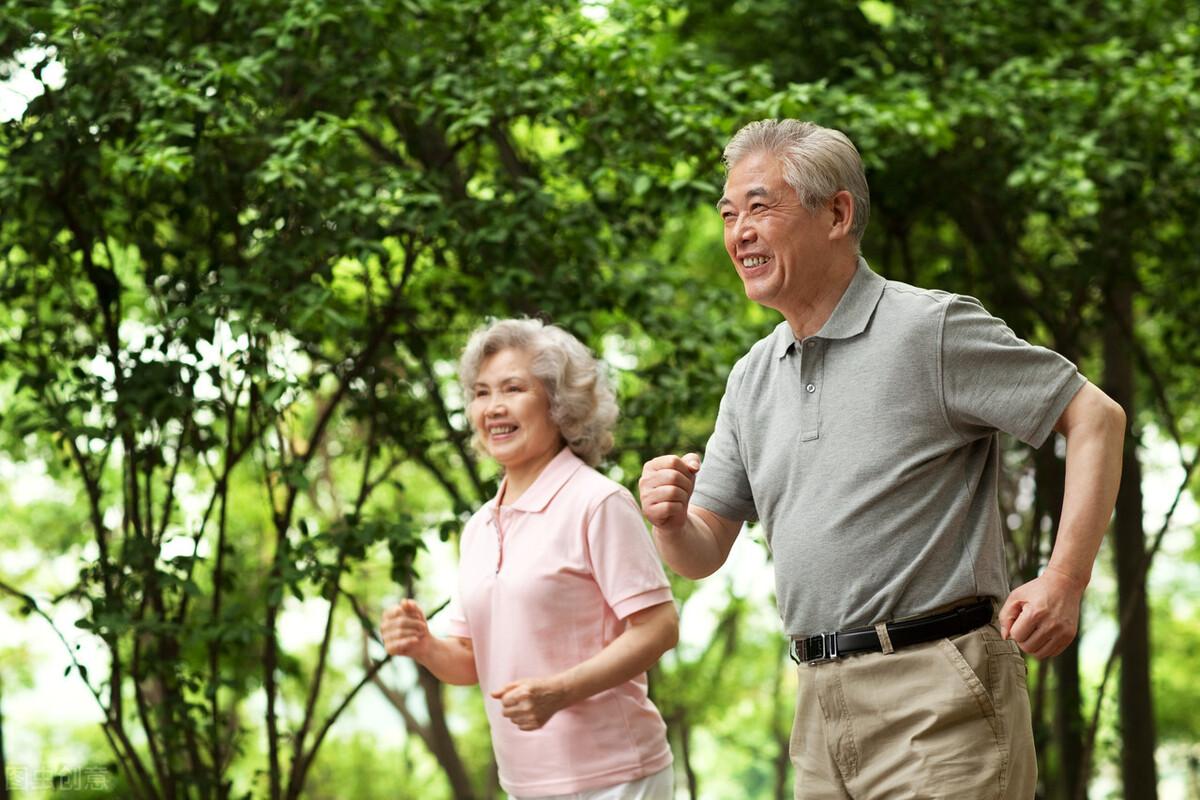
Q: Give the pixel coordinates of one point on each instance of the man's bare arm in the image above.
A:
(692, 540)
(1042, 616)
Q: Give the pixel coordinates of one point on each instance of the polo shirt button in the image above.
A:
(810, 343)
(810, 388)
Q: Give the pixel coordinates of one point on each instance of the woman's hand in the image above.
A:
(531, 702)
(405, 631)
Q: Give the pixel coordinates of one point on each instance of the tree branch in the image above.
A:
(135, 771)
(453, 434)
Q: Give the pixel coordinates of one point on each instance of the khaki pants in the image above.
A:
(944, 719)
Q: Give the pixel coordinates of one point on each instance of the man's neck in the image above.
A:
(815, 303)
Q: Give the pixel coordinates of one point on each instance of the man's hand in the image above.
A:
(1042, 616)
(405, 631)
(531, 702)
(666, 489)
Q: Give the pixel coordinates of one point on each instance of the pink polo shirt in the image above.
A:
(544, 584)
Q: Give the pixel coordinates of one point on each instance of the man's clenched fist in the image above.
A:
(666, 488)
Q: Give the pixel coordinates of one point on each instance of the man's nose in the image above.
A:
(743, 230)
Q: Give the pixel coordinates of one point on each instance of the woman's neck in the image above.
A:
(519, 477)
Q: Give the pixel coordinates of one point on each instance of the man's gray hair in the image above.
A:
(582, 403)
(817, 162)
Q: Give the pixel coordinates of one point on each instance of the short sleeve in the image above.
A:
(722, 485)
(455, 621)
(452, 621)
(992, 380)
(624, 562)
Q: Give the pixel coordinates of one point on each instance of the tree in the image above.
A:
(1019, 153)
(241, 245)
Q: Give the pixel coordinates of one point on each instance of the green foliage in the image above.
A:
(1039, 156)
(242, 245)
(360, 767)
(1176, 630)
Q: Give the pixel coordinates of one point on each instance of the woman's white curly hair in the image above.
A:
(582, 403)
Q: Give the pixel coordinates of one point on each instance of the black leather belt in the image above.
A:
(830, 646)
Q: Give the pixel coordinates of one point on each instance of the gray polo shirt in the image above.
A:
(870, 451)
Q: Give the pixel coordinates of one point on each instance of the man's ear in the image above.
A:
(842, 206)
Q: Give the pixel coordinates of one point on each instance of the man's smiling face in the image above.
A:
(773, 240)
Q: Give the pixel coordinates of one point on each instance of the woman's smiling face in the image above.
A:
(511, 411)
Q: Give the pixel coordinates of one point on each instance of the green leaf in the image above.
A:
(878, 12)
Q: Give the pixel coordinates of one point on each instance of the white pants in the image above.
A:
(659, 786)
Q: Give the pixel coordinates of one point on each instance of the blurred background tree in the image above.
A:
(241, 245)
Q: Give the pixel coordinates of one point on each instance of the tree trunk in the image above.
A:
(685, 752)
(1068, 699)
(1136, 704)
(491, 789)
(3, 764)
(1068, 721)
(780, 733)
(443, 745)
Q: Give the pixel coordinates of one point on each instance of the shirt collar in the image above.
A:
(782, 339)
(849, 318)
(546, 485)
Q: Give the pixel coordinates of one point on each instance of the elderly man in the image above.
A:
(863, 433)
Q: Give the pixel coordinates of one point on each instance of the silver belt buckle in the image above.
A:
(824, 648)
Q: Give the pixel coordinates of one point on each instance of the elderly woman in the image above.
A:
(563, 604)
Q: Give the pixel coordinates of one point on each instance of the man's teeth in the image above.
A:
(503, 429)
(755, 261)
